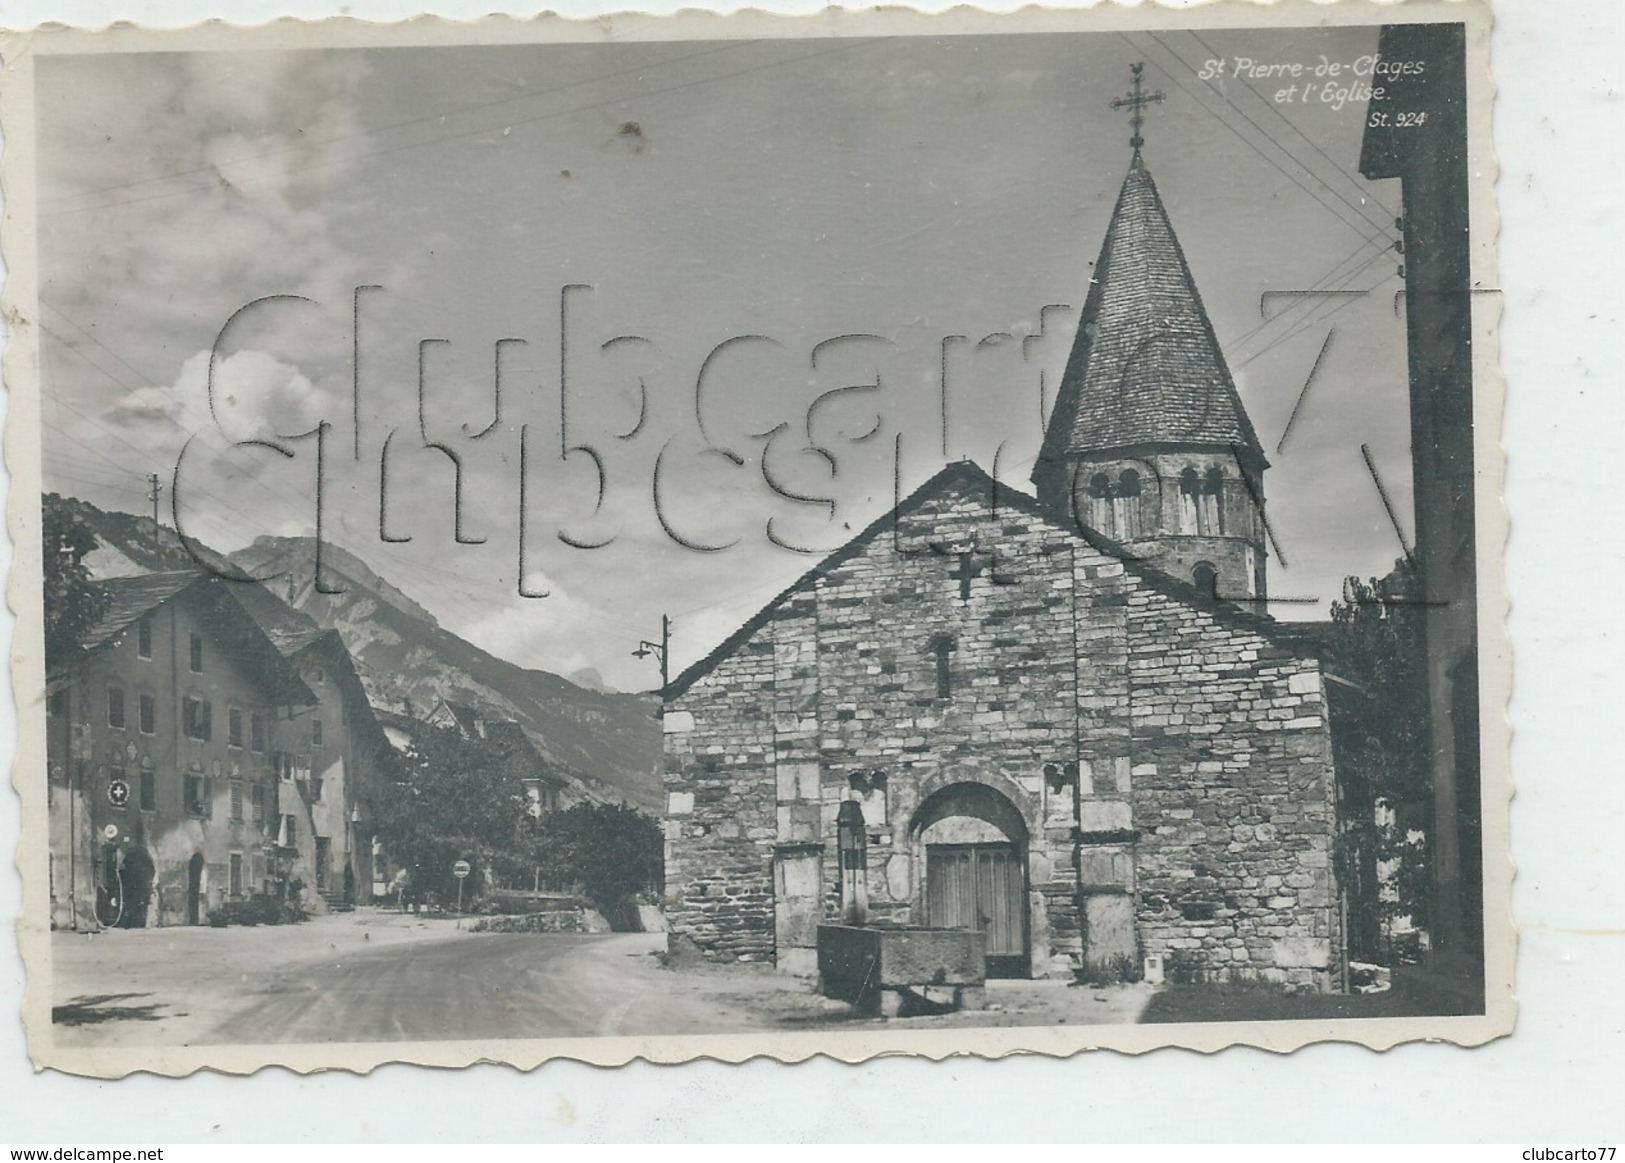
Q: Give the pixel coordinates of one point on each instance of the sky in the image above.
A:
(703, 290)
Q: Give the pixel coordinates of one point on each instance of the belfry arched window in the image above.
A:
(1100, 503)
(1190, 492)
(1114, 504)
(1210, 517)
(1126, 505)
(1201, 502)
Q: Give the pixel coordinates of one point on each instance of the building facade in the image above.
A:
(1052, 719)
(163, 743)
(1432, 166)
(334, 762)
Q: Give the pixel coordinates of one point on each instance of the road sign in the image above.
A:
(460, 870)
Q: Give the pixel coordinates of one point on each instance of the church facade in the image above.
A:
(1056, 719)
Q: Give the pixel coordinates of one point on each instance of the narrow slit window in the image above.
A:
(942, 646)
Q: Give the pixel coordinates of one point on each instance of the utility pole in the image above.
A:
(153, 489)
(661, 650)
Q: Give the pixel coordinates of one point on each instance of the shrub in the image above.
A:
(519, 904)
(554, 921)
(1115, 970)
(257, 910)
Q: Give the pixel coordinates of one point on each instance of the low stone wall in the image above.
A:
(556, 921)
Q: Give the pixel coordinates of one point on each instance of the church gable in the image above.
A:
(974, 677)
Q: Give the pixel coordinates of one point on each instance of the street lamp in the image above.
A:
(661, 650)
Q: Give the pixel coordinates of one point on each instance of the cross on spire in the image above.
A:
(1135, 102)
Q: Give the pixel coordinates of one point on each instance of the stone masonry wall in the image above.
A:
(720, 808)
(1010, 706)
(1166, 766)
(1233, 795)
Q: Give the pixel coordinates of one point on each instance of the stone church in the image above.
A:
(1058, 720)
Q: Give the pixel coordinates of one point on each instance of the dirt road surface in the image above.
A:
(384, 977)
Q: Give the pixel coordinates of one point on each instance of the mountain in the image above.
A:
(589, 677)
(409, 663)
(128, 544)
(607, 744)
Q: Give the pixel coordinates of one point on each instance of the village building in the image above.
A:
(163, 733)
(544, 788)
(1431, 165)
(333, 760)
(462, 718)
(503, 743)
(1060, 719)
(502, 746)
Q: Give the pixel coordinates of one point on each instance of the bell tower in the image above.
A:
(1148, 443)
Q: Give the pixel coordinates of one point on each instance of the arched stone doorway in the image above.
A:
(194, 890)
(970, 844)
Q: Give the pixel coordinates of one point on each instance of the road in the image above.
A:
(386, 977)
(377, 976)
(471, 987)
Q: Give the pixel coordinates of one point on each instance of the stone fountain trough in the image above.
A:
(896, 970)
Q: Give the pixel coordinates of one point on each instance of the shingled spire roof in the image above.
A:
(1145, 368)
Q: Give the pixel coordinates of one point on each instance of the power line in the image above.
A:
(147, 381)
(1383, 225)
(284, 172)
(1362, 187)
(294, 501)
(1330, 308)
(1309, 299)
(423, 573)
(1358, 228)
(306, 144)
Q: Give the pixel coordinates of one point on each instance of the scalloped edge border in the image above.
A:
(20, 368)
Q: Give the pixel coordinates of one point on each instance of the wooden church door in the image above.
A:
(980, 886)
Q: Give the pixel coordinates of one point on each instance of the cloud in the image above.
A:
(176, 191)
(256, 397)
(546, 633)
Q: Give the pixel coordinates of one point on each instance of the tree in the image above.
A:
(458, 803)
(73, 602)
(1380, 740)
(612, 852)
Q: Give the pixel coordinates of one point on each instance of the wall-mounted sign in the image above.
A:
(118, 793)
